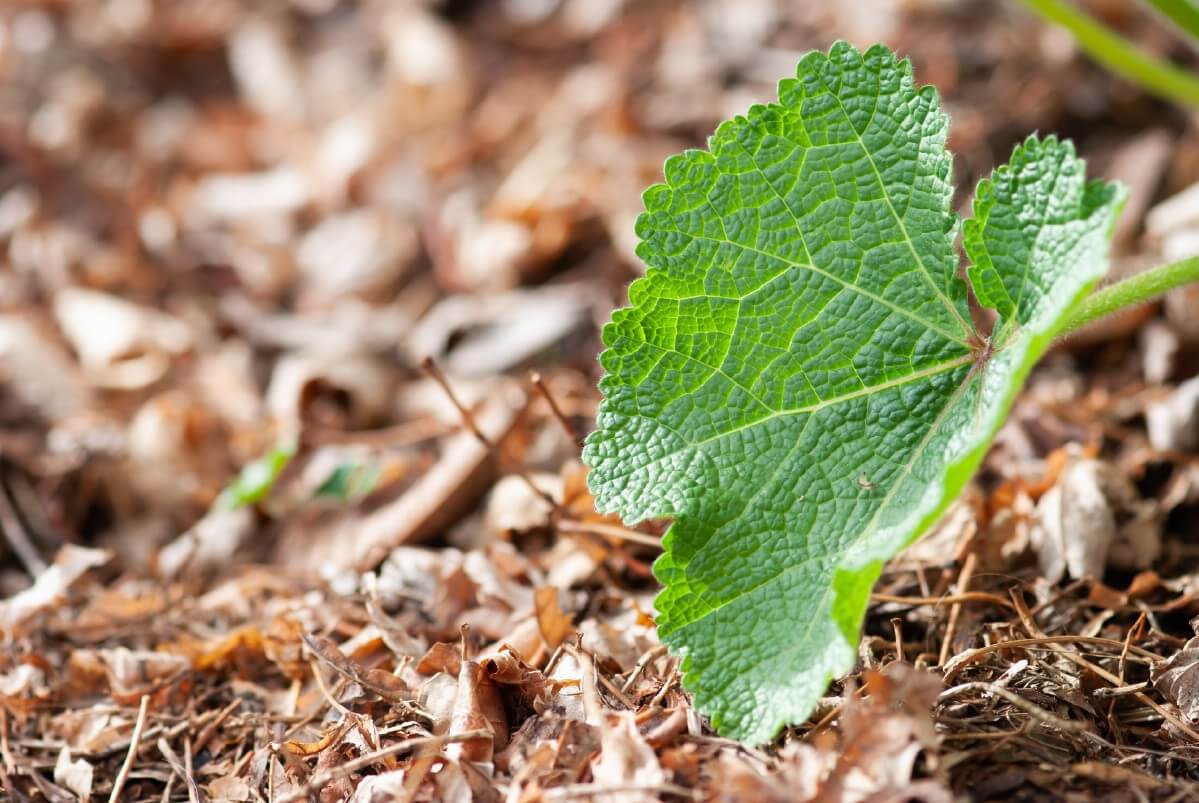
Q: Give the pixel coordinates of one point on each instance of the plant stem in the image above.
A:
(1134, 290)
(1114, 52)
(1183, 13)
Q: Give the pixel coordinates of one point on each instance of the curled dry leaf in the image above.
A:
(481, 335)
(382, 788)
(298, 379)
(1178, 679)
(477, 706)
(124, 673)
(71, 563)
(74, 775)
(513, 506)
(209, 543)
(626, 761)
(267, 73)
(555, 626)
(1174, 422)
(230, 788)
(357, 252)
(38, 372)
(1076, 531)
(232, 197)
(120, 344)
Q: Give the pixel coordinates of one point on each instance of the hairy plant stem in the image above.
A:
(1132, 291)
(1115, 52)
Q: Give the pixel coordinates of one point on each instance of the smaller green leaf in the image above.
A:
(349, 480)
(984, 278)
(257, 478)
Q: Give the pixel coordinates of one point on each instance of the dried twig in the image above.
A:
(1031, 626)
(194, 795)
(946, 599)
(134, 741)
(964, 659)
(9, 764)
(559, 416)
(1038, 713)
(430, 367)
(18, 537)
(671, 676)
(650, 655)
(610, 530)
(963, 585)
(211, 727)
(323, 779)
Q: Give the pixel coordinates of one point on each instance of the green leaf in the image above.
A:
(797, 381)
(257, 478)
(349, 480)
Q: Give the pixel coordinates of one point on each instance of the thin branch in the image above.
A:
(559, 416)
(946, 599)
(964, 659)
(956, 611)
(1030, 708)
(322, 779)
(18, 537)
(194, 795)
(134, 740)
(610, 530)
(430, 367)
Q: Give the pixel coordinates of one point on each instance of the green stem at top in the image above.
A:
(1183, 14)
(1115, 52)
(1132, 291)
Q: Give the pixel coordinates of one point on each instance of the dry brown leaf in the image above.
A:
(626, 760)
(384, 684)
(441, 657)
(1075, 529)
(120, 344)
(555, 626)
(36, 370)
(75, 775)
(71, 563)
(1178, 679)
(477, 706)
(230, 789)
(1173, 423)
(124, 673)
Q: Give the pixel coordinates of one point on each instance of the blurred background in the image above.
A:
(226, 226)
(230, 233)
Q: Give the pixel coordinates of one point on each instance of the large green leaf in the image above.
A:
(797, 381)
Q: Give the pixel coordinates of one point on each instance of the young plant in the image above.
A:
(797, 381)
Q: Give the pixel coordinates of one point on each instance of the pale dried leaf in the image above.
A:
(71, 563)
(74, 775)
(1178, 679)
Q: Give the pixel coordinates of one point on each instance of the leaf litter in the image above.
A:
(223, 231)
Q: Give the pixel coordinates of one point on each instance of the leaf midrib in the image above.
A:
(915, 376)
(967, 329)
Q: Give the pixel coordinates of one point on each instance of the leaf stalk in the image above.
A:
(1132, 291)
